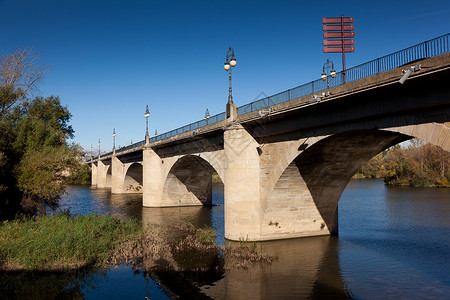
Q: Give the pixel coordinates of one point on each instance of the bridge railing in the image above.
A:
(431, 48)
(212, 120)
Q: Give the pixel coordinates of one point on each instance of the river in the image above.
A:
(393, 243)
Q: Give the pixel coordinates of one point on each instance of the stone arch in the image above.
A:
(434, 133)
(188, 182)
(108, 179)
(215, 159)
(273, 168)
(303, 201)
(133, 179)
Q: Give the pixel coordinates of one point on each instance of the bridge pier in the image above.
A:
(94, 174)
(242, 185)
(126, 178)
(103, 175)
(153, 178)
(117, 176)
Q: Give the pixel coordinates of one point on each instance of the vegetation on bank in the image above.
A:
(64, 242)
(79, 175)
(35, 156)
(416, 165)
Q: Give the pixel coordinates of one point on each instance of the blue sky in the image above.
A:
(108, 59)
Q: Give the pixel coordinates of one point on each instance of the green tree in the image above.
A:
(35, 157)
(80, 174)
(45, 157)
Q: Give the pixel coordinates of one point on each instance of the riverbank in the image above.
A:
(415, 165)
(62, 242)
(68, 243)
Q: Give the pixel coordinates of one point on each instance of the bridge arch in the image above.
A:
(188, 182)
(108, 176)
(434, 133)
(133, 179)
(437, 134)
(304, 198)
(104, 175)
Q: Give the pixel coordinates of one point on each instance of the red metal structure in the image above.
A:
(338, 31)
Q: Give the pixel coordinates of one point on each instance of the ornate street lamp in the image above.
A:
(230, 61)
(156, 133)
(114, 140)
(207, 116)
(98, 148)
(231, 110)
(92, 153)
(147, 114)
(328, 74)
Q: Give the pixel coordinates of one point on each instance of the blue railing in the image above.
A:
(431, 48)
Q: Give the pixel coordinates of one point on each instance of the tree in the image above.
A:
(40, 176)
(44, 123)
(46, 158)
(417, 164)
(20, 73)
(34, 154)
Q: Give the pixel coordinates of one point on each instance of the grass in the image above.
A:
(62, 242)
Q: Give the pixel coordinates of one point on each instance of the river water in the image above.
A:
(393, 243)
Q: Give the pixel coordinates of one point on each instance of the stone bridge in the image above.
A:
(284, 168)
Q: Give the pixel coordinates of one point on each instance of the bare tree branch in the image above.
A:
(20, 74)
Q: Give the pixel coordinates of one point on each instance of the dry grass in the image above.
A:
(185, 248)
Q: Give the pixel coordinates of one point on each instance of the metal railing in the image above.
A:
(431, 48)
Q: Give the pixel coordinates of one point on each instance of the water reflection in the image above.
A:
(393, 242)
(196, 215)
(44, 285)
(303, 269)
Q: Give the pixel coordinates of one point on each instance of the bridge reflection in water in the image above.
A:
(302, 268)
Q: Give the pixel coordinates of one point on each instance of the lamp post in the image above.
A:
(156, 133)
(147, 114)
(328, 74)
(98, 148)
(92, 153)
(207, 116)
(230, 62)
(114, 140)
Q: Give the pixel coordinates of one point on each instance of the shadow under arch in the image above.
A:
(108, 176)
(133, 180)
(189, 182)
(305, 197)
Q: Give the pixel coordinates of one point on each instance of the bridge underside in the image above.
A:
(188, 183)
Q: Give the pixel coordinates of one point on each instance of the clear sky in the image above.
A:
(109, 58)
